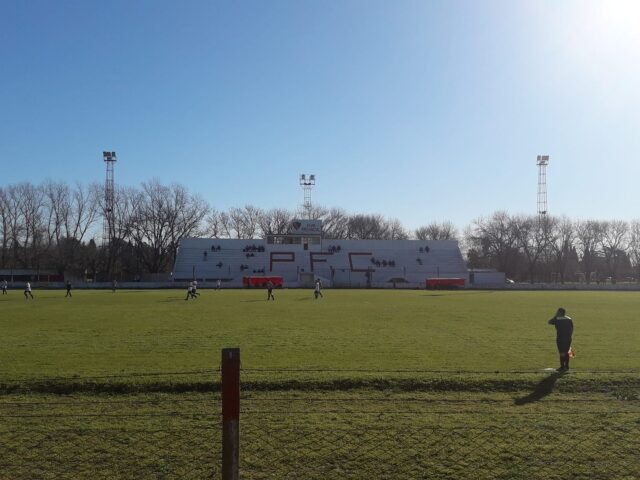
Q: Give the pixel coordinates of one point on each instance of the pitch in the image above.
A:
(355, 385)
(101, 333)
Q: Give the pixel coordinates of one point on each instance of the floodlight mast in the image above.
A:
(108, 228)
(307, 182)
(542, 162)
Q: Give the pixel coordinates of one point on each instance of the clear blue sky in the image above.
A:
(420, 110)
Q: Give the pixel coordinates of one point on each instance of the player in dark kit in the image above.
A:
(4, 287)
(68, 290)
(564, 331)
(270, 291)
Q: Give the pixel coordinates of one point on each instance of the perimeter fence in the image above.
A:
(314, 433)
(106, 434)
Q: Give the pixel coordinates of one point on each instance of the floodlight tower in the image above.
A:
(542, 162)
(307, 181)
(109, 198)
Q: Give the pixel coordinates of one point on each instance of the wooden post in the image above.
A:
(230, 413)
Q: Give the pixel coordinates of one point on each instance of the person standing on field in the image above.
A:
(4, 287)
(564, 332)
(270, 291)
(68, 290)
(318, 290)
(190, 293)
(27, 291)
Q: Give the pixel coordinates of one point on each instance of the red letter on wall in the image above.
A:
(281, 257)
(313, 260)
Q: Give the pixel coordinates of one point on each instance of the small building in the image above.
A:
(18, 275)
(487, 277)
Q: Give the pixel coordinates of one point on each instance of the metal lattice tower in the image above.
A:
(307, 181)
(109, 198)
(542, 162)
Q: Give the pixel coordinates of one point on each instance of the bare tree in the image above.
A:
(437, 231)
(275, 221)
(4, 228)
(562, 243)
(149, 225)
(58, 207)
(242, 222)
(335, 224)
(213, 223)
(495, 238)
(588, 235)
(614, 243)
(47, 225)
(161, 217)
(367, 227)
(127, 203)
(251, 221)
(317, 212)
(186, 213)
(396, 230)
(533, 236)
(15, 223)
(236, 222)
(83, 211)
(121, 219)
(32, 213)
(634, 247)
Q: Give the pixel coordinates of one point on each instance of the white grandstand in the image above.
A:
(302, 256)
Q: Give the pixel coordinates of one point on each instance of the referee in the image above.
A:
(564, 331)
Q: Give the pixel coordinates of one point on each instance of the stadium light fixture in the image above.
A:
(307, 180)
(109, 156)
(542, 161)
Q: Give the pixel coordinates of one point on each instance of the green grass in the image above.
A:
(360, 434)
(358, 385)
(98, 332)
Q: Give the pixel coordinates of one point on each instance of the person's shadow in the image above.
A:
(542, 389)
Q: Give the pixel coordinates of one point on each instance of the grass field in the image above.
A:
(359, 384)
(360, 434)
(97, 332)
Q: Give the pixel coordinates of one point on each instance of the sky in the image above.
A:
(418, 110)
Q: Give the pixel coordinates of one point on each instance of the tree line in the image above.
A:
(555, 249)
(58, 226)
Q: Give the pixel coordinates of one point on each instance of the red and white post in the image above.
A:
(230, 414)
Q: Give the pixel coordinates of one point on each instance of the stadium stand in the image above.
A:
(338, 263)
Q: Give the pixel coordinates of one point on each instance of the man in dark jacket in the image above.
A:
(564, 331)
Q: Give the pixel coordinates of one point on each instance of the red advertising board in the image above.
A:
(261, 282)
(444, 283)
